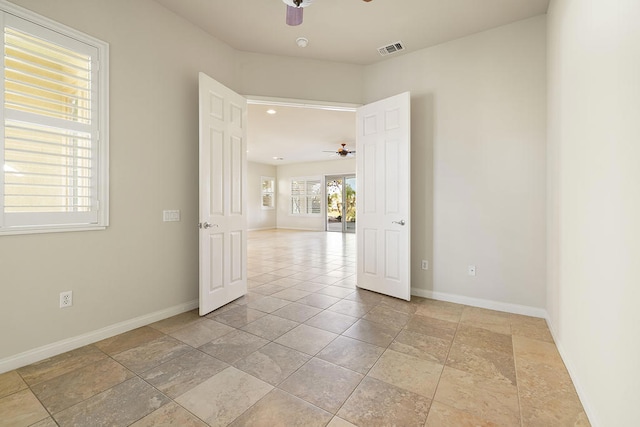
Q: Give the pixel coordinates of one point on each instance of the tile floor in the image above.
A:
(305, 348)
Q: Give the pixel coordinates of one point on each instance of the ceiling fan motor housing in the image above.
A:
(298, 3)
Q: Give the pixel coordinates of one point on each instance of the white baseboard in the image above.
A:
(37, 354)
(482, 303)
(261, 229)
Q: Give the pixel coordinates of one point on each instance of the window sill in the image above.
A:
(44, 230)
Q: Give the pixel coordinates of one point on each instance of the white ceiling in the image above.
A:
(348, 31)
(298, 134)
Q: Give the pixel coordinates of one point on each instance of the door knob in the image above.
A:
(206, 225)
(401, 222)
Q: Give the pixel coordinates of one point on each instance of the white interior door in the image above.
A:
(383, 188)
(223, 216)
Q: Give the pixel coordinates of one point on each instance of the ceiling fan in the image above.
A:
(342, 152)
(295, 9)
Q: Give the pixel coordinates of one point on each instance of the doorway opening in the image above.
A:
(341, 203)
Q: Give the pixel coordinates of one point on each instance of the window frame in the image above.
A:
(305, 195)
(265, 193)
(11, 15)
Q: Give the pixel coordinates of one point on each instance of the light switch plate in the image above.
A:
(169, 216)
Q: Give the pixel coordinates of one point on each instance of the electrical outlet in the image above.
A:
(425, 264)
(471, 270)
(66, 299)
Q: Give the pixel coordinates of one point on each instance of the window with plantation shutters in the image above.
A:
(306, 196)
(54, 140)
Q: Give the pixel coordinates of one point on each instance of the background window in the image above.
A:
(268, 193)
(53, 146)
(306, 196)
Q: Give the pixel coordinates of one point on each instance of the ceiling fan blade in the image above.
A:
(294, 15)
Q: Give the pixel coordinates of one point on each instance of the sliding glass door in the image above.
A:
(341, 203)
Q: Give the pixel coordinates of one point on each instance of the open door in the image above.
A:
(383, 168)
(223, 216)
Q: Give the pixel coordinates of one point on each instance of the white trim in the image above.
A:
(262, 229)
(37, 354)
(582, 394)
(482, 303)
(301, 103)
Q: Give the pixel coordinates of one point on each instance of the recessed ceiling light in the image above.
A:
(271, 111)
(278, 158)
(302, 42)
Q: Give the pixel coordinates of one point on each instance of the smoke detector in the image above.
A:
(302, 42)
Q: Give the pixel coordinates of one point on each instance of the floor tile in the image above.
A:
(267, 304)
(128, 340)
(202, 332)
(376, 403)
(486, 362)
(174, 323)
(309, 287)
(398, 304)
(273, 363)
(495, 321)
(61, 364)
(441, 415)
(487, 399)
(224, 397)
(483, 338)
(268, 289)
(537, 351)
(410, 373)
(322, 384)
(318, 301)
(239, 316)
(339, 422)
(21, 409)
(365, 297)
(421, 346)
(10, 382)
(306, 339)
(152, 354)
(335, 291)
(387, 316)
(547, 395)
(297, 312)
(291, 294)
(281, 409)
(530, 327)
(331, 321)
(120, 405)
(170, 414)
(47, 422)
(73, 387)
(351, 354)
(325, 280)
(433, 327)
(442, 310)
(351, 308)
(270, 327)
(234, 346)
(181, 374)
(373, 333)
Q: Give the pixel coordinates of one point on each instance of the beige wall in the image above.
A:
(310, 169)
(259, 218)
(478, 163)
(594, 201)
(139, 266)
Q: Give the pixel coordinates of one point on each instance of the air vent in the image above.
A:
(392, 48)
